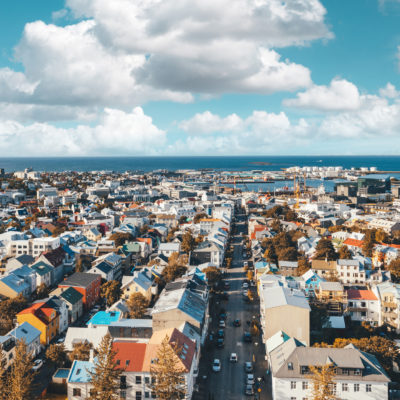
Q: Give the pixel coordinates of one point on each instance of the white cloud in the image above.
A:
(118, 133)
(340, 95)
(389, 91)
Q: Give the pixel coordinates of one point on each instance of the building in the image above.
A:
(351, 272)
(284, 309)
(86, 284)
(363, 305)
(333, 294)
(389, 295)
(73, 301)
(358, 375)
(30, 335)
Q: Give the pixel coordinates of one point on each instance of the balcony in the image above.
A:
(391, 315)
(356, 309)
(389, 304)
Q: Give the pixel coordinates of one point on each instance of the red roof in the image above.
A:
(185, 346)
(354, 294)
(130, 355)
(353, 242)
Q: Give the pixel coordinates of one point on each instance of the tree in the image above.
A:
(21, 374)
(345, 253)
(120, 238)
(381, 236)
(3, 377)
(144, 229)
(303, 266)
(198, 217)
(176, 267)
(325, 250)
(182, 220)
(81, 351)
(250, 275)
(167, 373)
(137, 305)
(83, 264)
(111, 291)
(322, 381)
(105, 376)
(56, 354)
(394, 268)
(276, 225)
(288, 254)
(42, 291)
(9, 309)
(188, 242)
(368, 247)
(213, 275)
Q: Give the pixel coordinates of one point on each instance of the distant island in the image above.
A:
(260, 163)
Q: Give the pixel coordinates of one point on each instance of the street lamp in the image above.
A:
(259, 379)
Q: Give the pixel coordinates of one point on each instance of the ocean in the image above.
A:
(244, 163)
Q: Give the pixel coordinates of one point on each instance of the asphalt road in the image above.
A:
(229, 383)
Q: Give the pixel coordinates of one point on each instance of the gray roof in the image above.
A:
(331, 286)
(80, 279)
(347, 357)
(288, 264)
(278, 296)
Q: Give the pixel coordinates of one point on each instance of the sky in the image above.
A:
(199, 77)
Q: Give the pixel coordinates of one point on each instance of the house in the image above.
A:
(12, 286)
(310, 283)
(324, 268)
(55, 258)
(86, 284)
(166, 249)
(44, 317)
(351, 272)
(284, 309)
(73, 300)
(389, 295)
(30, 335)
(109, 266)
(288, 268)
(363, 305)
(91, 335)
(333, 294)
(44, 273)
(7, 346)
(142, 281)
(358, 375)
(78, 380)
(92, 234)
(207, 252)
(28, 275)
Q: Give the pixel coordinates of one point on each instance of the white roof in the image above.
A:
(278, 296)
(93, 335)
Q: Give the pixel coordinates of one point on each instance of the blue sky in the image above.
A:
(93, 77)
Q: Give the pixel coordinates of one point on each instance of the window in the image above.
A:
(153, 395)
(304, 370)
(345, 387)
(368, 387)
(122, 394)
(345, 371)
(292, 385)
(356, 387)
(146, 380)
(357, 371)
(305, 385)
(76, 392)
(146, 395)
(293, 398)
(290, 366)
(138, 396)
(122, 382)
(138, 379)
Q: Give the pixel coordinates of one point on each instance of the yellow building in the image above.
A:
(43, 317)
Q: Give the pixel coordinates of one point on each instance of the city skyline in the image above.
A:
(94, 78)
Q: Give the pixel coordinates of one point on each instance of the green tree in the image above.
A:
(21, 375)
(137, 305)
(325, 250)
(345, 253)
(322, 381)
(188, 242)
(213, 275)
(168, 373)
(56, 354)
(111, 292)
(182, 220)
(105, 376)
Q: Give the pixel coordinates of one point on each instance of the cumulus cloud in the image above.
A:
(117, 132)
(340, 95)
(389, 91)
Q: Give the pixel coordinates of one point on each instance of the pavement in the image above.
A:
(229, 383)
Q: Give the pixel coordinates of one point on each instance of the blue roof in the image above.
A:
(62, 373)
(23, 271)
(104, 318)
(80, 371)
(25, 331)
(15, 283)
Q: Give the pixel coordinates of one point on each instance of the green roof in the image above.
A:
(41, 268)
(71, 295)
(131, 247)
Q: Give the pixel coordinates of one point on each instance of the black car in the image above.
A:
(237, 322)
(247, 337)
(221, 333)
(222, 315)
(226, 285)
(220, 343)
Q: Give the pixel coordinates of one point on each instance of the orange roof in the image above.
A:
(130, 355)
(353, 242)
(394, 246)
(210, 220)
(31, 309)
(354, 294)
(145, 240)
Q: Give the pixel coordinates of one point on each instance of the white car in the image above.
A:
(37, 364)
(250, 379)
(222, 323)
(216, 365)
(233, 358)
(245, 285)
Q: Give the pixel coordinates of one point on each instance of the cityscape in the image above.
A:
(200, 200)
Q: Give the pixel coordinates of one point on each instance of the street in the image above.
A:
(229, 383)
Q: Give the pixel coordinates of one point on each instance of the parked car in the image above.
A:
(220, 343)
(37, 364)
(216, 366)
(247, 337)
(249, 391)
(222, 315)
(245, 285)
(221, 333)
(248, 367)
(226, 285)
(237, 322)
(222, 323)
(250, 379)
(233, 358)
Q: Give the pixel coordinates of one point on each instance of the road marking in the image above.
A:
(239, 344)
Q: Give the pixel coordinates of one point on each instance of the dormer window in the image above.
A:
(290, 366)
(357, 371)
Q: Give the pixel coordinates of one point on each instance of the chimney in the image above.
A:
(91, 355)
